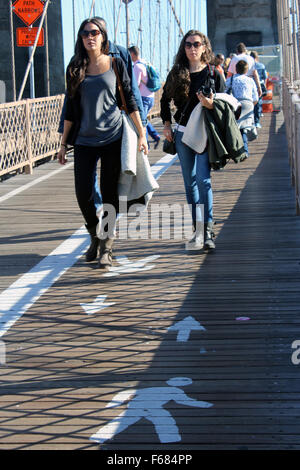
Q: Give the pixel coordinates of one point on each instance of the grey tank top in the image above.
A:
(101, 119)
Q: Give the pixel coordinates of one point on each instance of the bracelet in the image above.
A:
(64, 145)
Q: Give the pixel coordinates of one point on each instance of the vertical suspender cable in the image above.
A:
(12, 46)
(155, 31)
(127, 23)
(150, 35)
(114, 20)
(139, 39)
(74, 31)
(92, 7)
(118, 19)
(160, 49)
(168, 28)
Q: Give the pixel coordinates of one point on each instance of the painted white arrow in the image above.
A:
(185, 327)
(97, 305)
(126, 266)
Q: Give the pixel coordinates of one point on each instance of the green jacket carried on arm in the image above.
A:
(225, 141)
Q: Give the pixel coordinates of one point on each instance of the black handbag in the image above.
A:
(170, 147)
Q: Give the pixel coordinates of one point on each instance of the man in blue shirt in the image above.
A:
(115, 51)
(262, 74)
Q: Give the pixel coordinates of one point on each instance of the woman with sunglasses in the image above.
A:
(93, 111)
(190, 73)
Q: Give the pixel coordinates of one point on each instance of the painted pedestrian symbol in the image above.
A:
(126, 266)
(148, 403)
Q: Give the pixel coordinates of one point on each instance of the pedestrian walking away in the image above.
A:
(190, 74)
(262, 73)
(244, 89)
(242, 54)
(93, 123)
(141, 75)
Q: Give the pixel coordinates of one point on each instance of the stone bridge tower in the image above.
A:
(233, 21)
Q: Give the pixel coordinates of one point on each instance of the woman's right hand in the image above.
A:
(61, 156)
(168, 133)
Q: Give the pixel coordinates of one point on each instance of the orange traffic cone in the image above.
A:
(267, 105)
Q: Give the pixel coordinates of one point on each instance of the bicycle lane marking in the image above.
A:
(25, 291)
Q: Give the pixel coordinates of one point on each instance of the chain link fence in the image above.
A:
(28, 132)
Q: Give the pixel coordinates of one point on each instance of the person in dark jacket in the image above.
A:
(114, 50)
(93, 110)
(190, 74)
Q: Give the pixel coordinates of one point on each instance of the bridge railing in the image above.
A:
(291, 110)
(28, 131)
(288, 28)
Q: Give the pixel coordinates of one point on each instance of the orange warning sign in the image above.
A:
(28, 10)
(26, 37)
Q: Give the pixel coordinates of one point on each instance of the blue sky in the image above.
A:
(158, 44)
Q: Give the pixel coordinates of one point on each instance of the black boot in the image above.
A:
(209, 235)
(105, 257)
(92, 252)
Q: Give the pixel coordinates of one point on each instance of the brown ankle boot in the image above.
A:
(92, 251)
(105, 257)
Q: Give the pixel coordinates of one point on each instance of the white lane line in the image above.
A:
(33, 183)
(25, 291)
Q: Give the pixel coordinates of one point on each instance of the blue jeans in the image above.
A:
(196, 176)
(258, 110)
(245, 140)
(148, 103)
(97, 194)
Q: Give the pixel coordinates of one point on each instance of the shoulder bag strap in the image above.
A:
(124, 107)
(181, 116)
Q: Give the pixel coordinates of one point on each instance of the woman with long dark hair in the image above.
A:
(190, 73)
(94, 120)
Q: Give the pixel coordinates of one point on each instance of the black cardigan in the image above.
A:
(216, 82)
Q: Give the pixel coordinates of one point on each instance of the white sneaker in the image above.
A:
(196, 243)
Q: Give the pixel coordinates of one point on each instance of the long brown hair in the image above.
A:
(77, 67)
(179, 80)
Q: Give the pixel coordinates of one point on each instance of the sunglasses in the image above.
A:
(85, 33)
(196, 44)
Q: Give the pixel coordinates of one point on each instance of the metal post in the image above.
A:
(12, 44)
(33, 50)
(31, 74)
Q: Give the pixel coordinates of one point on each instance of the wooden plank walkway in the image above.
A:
(64, 367)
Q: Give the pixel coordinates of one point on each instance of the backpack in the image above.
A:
(153, 79)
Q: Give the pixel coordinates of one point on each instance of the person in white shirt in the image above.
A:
(252, 72)
(140, 71)
(244, 89)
